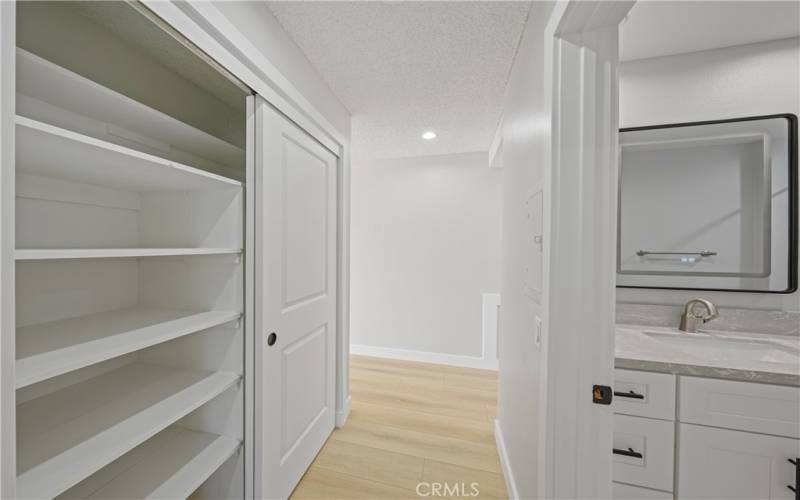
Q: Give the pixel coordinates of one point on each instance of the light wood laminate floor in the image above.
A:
(411, 423)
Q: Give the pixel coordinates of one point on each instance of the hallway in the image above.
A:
(411, 423)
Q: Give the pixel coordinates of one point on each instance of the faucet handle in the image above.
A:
(690, 319)
(709, 306)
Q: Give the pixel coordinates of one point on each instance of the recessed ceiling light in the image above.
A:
(429, 135)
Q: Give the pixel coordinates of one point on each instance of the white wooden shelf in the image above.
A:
(66, 436)
(170, 465)
(46, 150)
(50, 349)
(43, 80)
(112, 253)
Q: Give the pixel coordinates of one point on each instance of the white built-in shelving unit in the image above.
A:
(68, 435)
(130, 341)
(60, 95)
(50, 349)
(170, 465)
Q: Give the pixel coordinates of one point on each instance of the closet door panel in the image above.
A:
(296, 290)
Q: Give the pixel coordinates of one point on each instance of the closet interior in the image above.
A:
(130, 273)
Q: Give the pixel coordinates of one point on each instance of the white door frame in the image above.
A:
(581, 302)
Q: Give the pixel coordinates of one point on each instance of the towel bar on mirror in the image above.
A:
(701, 253)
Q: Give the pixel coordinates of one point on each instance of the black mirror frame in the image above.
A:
(793, 206)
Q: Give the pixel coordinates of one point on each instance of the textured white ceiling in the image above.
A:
(658, 28)
(405, 67)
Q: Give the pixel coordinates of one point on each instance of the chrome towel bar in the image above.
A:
(701, 253)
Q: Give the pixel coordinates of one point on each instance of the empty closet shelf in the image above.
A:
(66, 436)
(112, 253)
(50, 349)
(170, 465)
(58, 86)
(50, 151)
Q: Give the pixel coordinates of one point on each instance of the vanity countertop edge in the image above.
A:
(636, 356)
(738, 374)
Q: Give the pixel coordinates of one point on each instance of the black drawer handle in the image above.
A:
(629, 394)
(628, 453)
(796, 488)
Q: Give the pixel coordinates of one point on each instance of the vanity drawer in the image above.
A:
(747, 406)
(644, 394)
(654, 441)
(621, 491)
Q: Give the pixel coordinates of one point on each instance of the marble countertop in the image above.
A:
(773, 359)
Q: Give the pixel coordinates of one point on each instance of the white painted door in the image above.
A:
(295, 300)
(722, 464)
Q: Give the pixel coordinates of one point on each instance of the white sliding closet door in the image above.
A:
(295, 300)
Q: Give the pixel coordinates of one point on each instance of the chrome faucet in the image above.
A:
(690, 321)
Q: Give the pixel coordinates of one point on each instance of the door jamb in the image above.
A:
(343, 398)
(583, 183)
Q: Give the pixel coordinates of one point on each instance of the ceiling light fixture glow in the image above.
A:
(429, 135)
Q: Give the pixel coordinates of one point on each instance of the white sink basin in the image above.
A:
(721, 348)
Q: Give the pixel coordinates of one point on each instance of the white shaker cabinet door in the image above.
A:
(722, 464)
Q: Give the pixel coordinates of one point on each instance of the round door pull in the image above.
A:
(271, 338)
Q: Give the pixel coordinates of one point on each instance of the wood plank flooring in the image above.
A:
(411, 423)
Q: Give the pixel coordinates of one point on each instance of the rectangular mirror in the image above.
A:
(709, 205)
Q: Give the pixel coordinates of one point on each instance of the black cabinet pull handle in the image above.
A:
(796, 487)
(628, 453)
(629, 394)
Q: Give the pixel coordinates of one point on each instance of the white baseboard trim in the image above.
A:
(425, 357)
(343, 413)
(511, 486)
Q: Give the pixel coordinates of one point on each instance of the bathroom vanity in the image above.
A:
(706, 415)
(707, 410)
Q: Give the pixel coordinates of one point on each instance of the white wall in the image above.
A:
(526, 134)
(425, 247)
(747, 80)
(257, 23)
